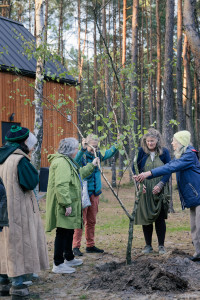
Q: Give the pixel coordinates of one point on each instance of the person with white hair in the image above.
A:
(187, 167)
(85, 156)
(63, 202)
(23, 249)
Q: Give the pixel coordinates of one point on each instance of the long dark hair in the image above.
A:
(24, 147)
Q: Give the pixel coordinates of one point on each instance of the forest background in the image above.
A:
(137, 63)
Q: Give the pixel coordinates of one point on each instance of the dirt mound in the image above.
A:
(148, 274)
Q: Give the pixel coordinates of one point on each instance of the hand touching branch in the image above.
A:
(84, 143)
(142, 176)
(96, 161)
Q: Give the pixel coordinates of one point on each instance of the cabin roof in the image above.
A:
(15, 40)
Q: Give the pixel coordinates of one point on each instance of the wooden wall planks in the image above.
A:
(14, 92)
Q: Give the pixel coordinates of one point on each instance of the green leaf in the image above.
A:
(121, 152)
(100, 128)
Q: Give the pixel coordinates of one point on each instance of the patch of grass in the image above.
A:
(83, 297)
(103, 199)
(178, 228)
(114, 223)
(127, 185)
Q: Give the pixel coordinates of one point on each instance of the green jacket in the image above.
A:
(64, 190)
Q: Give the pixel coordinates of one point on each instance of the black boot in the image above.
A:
(5, 288)
(19, 292)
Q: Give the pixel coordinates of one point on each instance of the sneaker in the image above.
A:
(74, 262)
(28, 282)
(62, 269)
(161, 250)
(94, 250)
(147, 249)
(77, 252)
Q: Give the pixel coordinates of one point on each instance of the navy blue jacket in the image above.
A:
(187, 169)
(142, 158)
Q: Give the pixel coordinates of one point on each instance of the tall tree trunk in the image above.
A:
(35, 23)
(114, 50)
(60, 29)
(79, 64)
(158, 101)
(133, 106)
(142, 104)
(29, 15)
(120, 32)
(150, 80)
(38, 125)
(180, 112)
(95, 90)
(134, 54)
(192, 32)
(107, 89)
(134, 79)
(79, 37)
(5, 8)
(122, 109)
(149, 71)
(197, 111)
(46, 20)
(168, 99)
(188, 89)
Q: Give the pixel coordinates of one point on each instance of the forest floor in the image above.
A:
(106, 276)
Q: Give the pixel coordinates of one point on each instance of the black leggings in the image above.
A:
(63, 245)
(160, 226)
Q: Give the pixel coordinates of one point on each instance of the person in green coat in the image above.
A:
(63, 202)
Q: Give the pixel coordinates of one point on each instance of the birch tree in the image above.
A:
(38, 125)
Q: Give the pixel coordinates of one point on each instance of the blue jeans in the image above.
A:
(15, 280)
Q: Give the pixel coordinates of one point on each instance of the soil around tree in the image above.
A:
(174, 272)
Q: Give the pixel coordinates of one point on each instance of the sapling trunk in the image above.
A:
(131, 226)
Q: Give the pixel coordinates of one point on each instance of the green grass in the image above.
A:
(177, 228)
(103, 199)
(83, 297)
(113, 223)
(128, 185)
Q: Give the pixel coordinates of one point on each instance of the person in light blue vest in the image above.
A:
(84, 156)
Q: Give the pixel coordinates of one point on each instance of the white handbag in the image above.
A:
(85, 196)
